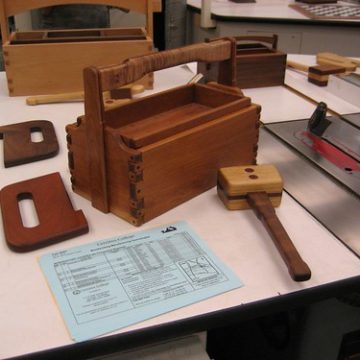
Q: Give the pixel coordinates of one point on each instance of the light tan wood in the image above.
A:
(237, 181)
(76, 96)
(297, 66)
(12, 7)
(39, 69)
(335, 59)
(53, 67)
(55, 98)
(318, 74)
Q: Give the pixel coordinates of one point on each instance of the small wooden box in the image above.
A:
(151, 154)
(257, 64)
(52, 62)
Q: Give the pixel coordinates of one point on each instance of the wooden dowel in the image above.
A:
(75, 96)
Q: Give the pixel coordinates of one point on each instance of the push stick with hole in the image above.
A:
(260, 188)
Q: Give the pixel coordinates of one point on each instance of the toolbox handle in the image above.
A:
(272, 40)
(100, 79)
(222, 50)
(12, 7)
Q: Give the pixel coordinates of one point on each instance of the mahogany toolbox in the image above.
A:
(151, 154)
(51, 62)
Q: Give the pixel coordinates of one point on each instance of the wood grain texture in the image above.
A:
(58, 220)
(39, 69)
(20, 149)
(260, 203)
(100, 79)
(256, 64)
(259, 187)
(94, 108)
(235, 182)
(203, 105)
(220, 51)
(35, 68)
(150, 143)
(12, 7)
(328, 58)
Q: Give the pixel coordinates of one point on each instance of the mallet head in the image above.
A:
(235, 182)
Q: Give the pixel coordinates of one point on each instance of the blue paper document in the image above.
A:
(113, 283)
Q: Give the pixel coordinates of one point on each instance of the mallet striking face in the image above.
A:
(260, 187)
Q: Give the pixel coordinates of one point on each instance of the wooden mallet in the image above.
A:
(317, 74)
(260, 187)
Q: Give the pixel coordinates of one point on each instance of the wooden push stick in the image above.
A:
(122, 93)
(260, 188)
(58, 220)
(318, 74)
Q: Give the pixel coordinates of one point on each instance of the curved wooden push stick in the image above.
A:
(260, 188)
(58, 220)
(20, 149)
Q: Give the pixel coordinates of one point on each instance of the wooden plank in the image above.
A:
(94, 109)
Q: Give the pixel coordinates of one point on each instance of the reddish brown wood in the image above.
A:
(204, 104)
(131, 159)
(58, 220)
(94, 108)
(18, 147)
(100, 79)
(260, 203)
(257, 65)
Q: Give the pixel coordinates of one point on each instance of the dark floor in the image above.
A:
(327, 330)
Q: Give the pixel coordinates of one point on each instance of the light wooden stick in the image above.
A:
(72, 96)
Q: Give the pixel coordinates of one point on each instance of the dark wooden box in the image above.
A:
(143, 158)
(257, 65)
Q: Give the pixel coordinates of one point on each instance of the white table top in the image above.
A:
(30, 320)
(262, 9)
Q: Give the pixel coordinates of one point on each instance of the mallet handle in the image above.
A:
(261, 204)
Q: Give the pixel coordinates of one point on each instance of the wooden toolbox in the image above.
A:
(143, 158)
(258, 65)
(51, 62)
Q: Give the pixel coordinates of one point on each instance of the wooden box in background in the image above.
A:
(51, 62)
(257, 64)
(143, 158)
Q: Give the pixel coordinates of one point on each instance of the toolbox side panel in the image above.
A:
(185, 165)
